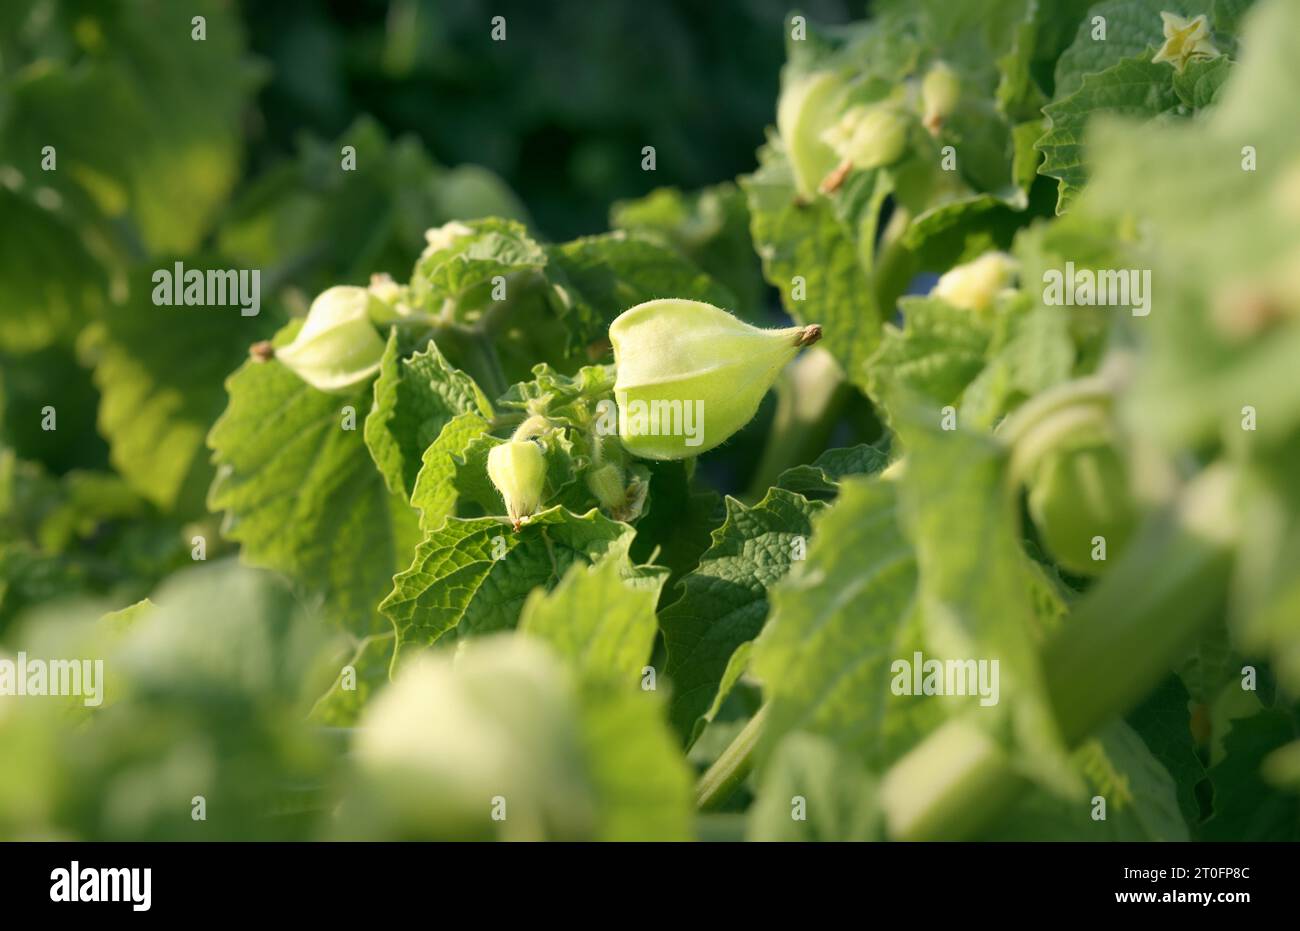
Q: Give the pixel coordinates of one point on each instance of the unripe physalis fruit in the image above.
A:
(690, 375)
(1080, 500)
(973, 286)
(338, 346)
(809, 105)
(607, 484)
(940, 91)
(868, 136)
(518, 470)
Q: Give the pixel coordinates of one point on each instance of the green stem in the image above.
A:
(732, 767)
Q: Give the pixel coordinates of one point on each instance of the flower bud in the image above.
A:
(1078, 495)
(808, 106)
(869, 136)
(690, 375)
(338, 346)
(443, 237)
(973, 286)
(518, 470)
(940, 91)
(606, 483)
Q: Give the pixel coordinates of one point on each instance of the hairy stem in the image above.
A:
(732, 767)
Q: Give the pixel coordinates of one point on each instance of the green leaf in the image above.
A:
(312, 224)
(808, 241)
(839, 619)
(471, 577)
(724, 601)
(1132, 87)
(369, 660)
(596, 278)
(833, 794)
(159, 371)
(1132, 27)
(467, 261)
(709, 227)
(1199, 83)
(642, 785)
(600, 618)
(937, 353)
(39, 306)
(415, 398)
(301, 493)
(146, 123)
(822, 478)
(1222, 340)
(1141, 802)
(436, 485)
(1245, 806)
(1031, 352)
(943, 236)
(1165, 724)
(677, 525)
(503, 721)
(1228, 15)
(976, 581)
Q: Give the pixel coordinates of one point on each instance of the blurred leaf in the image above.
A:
(829, 790)
(599, 618)
(159, 371)
(710, 227)
(145, 122)
(1141, 804)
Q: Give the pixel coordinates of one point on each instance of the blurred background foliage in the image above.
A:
(127, 145)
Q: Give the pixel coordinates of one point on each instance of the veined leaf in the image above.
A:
(301, 493)
(823, 477)
(471, 577)
(415, 398)
(724, 601)
(807, 241)
(1132, 87)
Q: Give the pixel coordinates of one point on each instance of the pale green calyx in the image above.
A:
(808, 106)
(338, 347)
(940, 91)
(869, 136)
(517, 469)
(690, 374)
(975, 285)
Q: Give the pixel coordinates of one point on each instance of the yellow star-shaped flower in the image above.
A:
(1185, 40)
